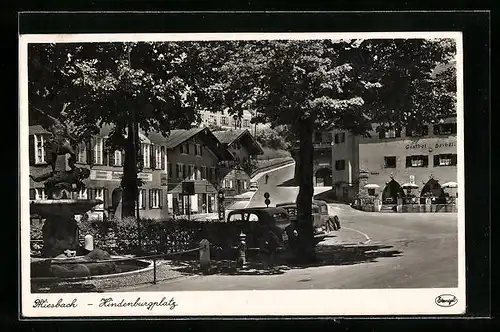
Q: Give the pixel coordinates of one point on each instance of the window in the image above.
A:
(191, 172)
(40, 153)
(181, 149)
(98, 193)
(445, 129)
(158, 159)
(339, 165)
(390, 162)
(417, 161)
(198, 149)
(40, 194)
(142, 199)
(146, 155)
(226, 183)
(417, 131)
(81, 156)
(231, 184)
(169, 170)
(187, 148)
(118, 158)
(179, 170)
(223, 121)
(318, 137)
(389, 133)
(213, 119)
(97, 149)
(246, 123)
(445, 160)
(155, 198)
(82, 194)
(339, 138)
(203, 172)
(235, 217)
(371, 192)
(184, 171)
(212, 173)
(244, 184)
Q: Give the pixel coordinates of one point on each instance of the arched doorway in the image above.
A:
(391, 191)
(324, 177)
(434, 188)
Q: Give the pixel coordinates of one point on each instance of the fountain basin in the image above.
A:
(60, 229)
(51, 207)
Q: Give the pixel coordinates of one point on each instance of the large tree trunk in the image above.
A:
(306, 252)
(129, 181)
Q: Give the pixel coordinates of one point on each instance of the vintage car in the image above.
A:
(264, 228)
(254, 186)
(322, 221)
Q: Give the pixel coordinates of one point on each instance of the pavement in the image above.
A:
(371, 250)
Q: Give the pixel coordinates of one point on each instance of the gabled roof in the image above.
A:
(179, 136)
(230, 136)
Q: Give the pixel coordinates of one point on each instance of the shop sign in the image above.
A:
(116, 176)
(145, 176)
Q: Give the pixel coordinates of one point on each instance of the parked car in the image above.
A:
(322, 221)
(254, 186)
(264, 227)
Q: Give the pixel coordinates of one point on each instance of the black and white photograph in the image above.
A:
(242, 174)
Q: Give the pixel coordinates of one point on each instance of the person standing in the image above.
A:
(267, 178)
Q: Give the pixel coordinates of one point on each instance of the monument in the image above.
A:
(60, 228)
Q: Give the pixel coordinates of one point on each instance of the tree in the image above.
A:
(325, 84)
(131, 86)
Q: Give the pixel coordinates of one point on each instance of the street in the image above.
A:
(372, 250)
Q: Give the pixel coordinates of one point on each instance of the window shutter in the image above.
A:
(111, 158)
(150, 199)
(32, 150)
(89, 154)
(162, 153)
(453, 159)
(48, 149)
(32, 193)
(426, 161)
(161, 199)
(436, 160)
(105, 153)
(152, 156)
(408, 161)
(105, 198)
(143, 203)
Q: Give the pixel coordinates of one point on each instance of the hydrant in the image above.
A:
(243, 247)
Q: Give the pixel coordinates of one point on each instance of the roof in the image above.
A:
(179, 136)
(37, 130)
(229, 136)
(270, 209)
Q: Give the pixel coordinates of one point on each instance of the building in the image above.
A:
(194, 156)
(225, 120)
(425, 157)
(322, 167)
(244, 149)
(106, 170)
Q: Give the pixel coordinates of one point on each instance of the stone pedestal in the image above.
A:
(399, 207)
(378, 204)
(59, 234)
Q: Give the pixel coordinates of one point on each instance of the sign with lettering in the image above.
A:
(430, 145)
(116, 175)
(412, 179)
(163, 179)
(145, 176)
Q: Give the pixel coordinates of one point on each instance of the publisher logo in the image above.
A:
(446, 300)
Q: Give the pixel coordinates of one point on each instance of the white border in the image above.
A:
(245, 303)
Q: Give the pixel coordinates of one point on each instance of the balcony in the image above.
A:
(317, 146)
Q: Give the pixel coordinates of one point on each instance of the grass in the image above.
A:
(272, 154)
